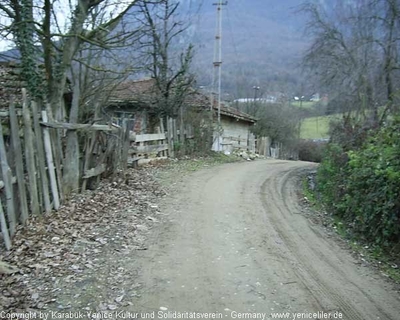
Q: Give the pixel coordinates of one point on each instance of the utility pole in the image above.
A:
(256, 88)
(217, 72)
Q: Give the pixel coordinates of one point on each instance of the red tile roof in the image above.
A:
(133, 91)
(144, 90)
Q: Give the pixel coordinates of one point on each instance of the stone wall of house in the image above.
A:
(235, 133)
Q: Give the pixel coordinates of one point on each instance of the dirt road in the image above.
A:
(235, 241)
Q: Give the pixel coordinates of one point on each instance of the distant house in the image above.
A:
(134, 100)
(236, 125)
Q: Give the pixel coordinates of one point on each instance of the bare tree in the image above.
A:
(169, 67)
(40, 37)
(354, 54)
(63, 47)
(280, 122)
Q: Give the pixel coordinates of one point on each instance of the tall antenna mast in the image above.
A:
(217, 72)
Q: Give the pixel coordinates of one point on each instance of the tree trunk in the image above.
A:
(71, 163)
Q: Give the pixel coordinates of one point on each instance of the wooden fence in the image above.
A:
(32, 154)
(146, 147)
(231, 144)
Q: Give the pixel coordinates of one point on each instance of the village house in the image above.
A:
(133, 100)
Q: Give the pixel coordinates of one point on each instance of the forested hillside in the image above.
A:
(263, 41)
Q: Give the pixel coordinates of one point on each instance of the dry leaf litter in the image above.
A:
(77, 257)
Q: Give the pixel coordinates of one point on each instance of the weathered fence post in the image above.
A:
(7, 178)
(125, 143)
(30, 156)
(19, 163)
(57, 153)
(4, 230)
(50, 163)
(41, 158)
(89, 146)
(182, 132)
(170, 137)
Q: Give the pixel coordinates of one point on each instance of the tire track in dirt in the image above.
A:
(311, 259)
(233, 239)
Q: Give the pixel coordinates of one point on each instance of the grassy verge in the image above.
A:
(386, 262)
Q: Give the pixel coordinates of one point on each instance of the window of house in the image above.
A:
(119, 116)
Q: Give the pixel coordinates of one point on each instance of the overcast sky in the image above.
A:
(62, 15)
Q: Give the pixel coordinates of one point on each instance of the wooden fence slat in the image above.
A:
(7, 179)
(4, 229)
(57, 153)
(30, 157)
(78, 126)
(174, 134)
(149, 137)
(41, 158)
(19, 163)
(90, 143)
(170, 138)
(50, 163)
(155, 148)
(125, 143)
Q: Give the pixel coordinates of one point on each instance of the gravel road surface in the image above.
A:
(234, 241)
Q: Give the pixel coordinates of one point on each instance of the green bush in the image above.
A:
(363, 186)
(373, 187)
(330, 176)
(311, 150)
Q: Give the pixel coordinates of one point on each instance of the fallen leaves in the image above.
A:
(68, 244)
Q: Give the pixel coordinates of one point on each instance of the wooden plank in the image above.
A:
(150, 137)
(41, 158)
(30, 156)
(50, 164)
(162, 125)
(55, 139)
(4, 229)
(170, 138)
(125, 143)
(148, 149)
(7, 177)
(78, 126)
(90, 144)
(182, 137)
(19, 164)
(95, 171)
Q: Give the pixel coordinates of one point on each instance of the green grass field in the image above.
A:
(316, 127)
(304, 104)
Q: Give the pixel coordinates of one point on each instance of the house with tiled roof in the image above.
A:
(134, 100)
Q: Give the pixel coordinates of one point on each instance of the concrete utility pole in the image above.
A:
(217, 72)
(256, 88)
